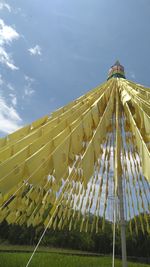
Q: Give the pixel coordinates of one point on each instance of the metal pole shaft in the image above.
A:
(122, 223)
(118, 179)
(114, 231)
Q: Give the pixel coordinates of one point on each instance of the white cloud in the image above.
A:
(4, 5)
(10, 87)
(5, 84)
(13, 99)
(29, 79)
(9, 118)
(36, 50)
(6, 59)
(7, 35)
(28, 90)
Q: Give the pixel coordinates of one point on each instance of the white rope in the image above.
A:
(35, 249)
(25, 181)
(59, 201)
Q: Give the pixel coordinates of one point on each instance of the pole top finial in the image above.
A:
(117, 63)
(117, 71)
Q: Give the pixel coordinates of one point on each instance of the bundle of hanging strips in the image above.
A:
(60, 169)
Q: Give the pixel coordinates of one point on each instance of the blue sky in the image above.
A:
(53, 51)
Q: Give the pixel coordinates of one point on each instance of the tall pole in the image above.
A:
(118, 179)
(114, 230)
(122, 223)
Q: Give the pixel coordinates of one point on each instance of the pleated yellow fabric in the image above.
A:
(88, 163)
(62, 169)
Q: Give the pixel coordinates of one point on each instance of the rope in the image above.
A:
(59, 201)
(25, 181)
(35, 249)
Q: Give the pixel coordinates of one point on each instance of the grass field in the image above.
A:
(19, 259)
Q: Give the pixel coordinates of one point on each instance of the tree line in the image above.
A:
(138, 244)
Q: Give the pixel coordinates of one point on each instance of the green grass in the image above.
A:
(20, 259)
(22, 248)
